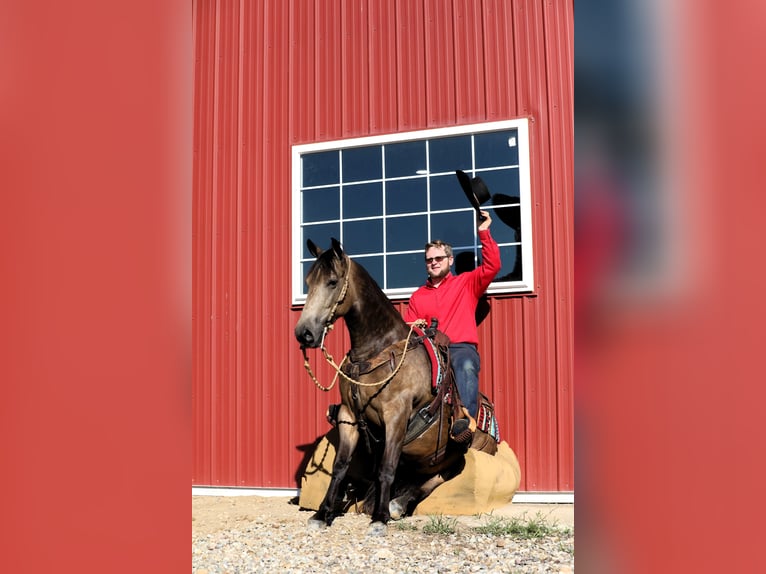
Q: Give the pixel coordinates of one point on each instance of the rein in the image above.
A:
(339, 371)
(327, 326)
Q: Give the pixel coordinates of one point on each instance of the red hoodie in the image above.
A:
(454, 301)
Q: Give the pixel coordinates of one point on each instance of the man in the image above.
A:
(452, 299)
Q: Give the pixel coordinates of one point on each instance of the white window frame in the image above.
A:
(525, 285)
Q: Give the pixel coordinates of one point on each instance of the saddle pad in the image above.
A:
(485, 419)
(437, 374)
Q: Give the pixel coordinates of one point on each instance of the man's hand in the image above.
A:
(486, 220)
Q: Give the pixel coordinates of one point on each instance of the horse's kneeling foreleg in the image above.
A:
(410, 495)
(329, 509)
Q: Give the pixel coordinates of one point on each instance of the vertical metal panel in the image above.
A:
(327, 60)
(251, 99)
(440, 62)
(383, 66)
(272, 74)
(559, 70)
(223, 252)
(355, 61)
(204, 69)
(469, 62)
(499, 50)
(411, 93)
(271, 259)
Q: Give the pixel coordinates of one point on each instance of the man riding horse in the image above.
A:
(452, 300)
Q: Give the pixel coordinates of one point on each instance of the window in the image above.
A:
(385, 197)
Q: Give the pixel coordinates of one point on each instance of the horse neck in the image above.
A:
(372, 321)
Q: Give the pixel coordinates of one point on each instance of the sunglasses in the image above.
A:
(438, 259)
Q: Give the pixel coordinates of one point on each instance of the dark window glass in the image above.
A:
(506, 223)
(321, 204)
(363, 236)
(321, 168)
(374, 266)
(505, 181)
(320, 234)
(449, 154)
(306, 266)
(406, 233)
(446, 193)
(496, 148)
(406, 270)
(406, 158)
(511, 263)
(362, 200)
(362, 163)
(406, 196)
(453, 228)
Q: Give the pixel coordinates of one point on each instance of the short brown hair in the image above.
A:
(439, 243)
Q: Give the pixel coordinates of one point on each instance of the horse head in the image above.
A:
(327, 282)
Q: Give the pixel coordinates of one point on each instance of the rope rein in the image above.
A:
(331, 361)
(338, 371)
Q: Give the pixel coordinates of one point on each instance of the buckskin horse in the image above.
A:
(386, 388)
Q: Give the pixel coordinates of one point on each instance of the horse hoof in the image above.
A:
(314, 524)
(376, 529)
(396, 510)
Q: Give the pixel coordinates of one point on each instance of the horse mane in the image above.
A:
(373, 321)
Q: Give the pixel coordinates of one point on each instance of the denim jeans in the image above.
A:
(466, 364)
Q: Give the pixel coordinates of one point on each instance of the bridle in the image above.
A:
(327, 327)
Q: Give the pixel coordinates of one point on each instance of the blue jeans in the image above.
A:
(466, 364)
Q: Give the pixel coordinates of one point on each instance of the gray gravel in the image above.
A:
(264, 543)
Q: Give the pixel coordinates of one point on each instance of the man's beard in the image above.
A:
(442, 274)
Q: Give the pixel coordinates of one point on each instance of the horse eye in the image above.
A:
(332, 283)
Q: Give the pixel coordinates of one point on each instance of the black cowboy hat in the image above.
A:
(475, 190)
(507, 214)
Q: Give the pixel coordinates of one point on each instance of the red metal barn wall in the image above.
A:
(270, 74)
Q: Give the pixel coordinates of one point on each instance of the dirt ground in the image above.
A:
(215, 513)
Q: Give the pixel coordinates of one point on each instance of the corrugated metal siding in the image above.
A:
(272, 74)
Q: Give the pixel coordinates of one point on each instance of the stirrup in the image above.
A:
(461, 432)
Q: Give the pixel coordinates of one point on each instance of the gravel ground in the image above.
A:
(254, 534)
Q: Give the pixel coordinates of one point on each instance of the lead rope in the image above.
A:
(338, 371)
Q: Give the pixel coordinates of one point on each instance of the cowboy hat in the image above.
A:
(475, 190)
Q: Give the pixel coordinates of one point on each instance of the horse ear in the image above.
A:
(313, 249)
(337, 248)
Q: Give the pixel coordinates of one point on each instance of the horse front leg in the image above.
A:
(385, 479)
(413, 493)
(348, 433)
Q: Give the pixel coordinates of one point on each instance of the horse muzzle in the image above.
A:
(306, 337)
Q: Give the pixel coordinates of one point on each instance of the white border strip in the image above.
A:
(519, 497)
(231, 491)
(544, 497)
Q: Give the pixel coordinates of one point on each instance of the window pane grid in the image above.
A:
(390, 241)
